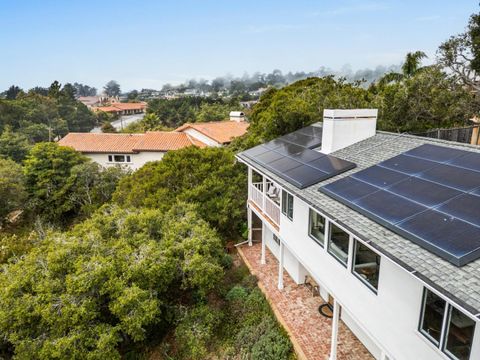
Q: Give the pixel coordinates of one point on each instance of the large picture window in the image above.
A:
(366, 264)
(316, 227)
(447, 327)
(287, 204)
(338, 244)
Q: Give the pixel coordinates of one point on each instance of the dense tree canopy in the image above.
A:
(47, 170)
(43, 118)
(86, 293)
(207, 177)
(175, 112)
(300, 104)
(428, 99)
(12, 188)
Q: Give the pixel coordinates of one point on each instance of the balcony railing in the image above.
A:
(264, 202)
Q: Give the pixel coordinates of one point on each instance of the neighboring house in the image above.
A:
(386, 224)
(217, 133)
(134, 150)
(131, 150)
(120, 109)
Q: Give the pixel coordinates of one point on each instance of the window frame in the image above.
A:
(285, 204)
(442, 343)
(357, 275)
(322, 244)
(331, 224)
(127, 159)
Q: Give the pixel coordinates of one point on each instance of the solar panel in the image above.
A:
(430, 194)
(291, 158)
(435, 153)
(309, 137)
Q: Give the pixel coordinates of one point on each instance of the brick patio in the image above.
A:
(297, 310)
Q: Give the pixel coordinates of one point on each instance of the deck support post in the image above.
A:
(262, 259)
(249, 224)
(280, 265)
(335, 320)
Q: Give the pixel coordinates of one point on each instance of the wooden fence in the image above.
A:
(460, 134)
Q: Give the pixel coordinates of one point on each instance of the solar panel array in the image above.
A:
(430, 195)
(309, 137)
(291, 158)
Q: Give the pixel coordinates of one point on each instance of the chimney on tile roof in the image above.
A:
(237, 116)
(342, 128)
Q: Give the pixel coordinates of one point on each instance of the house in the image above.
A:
(130, 150)
(120, 109)
(217, 133)
(387, 226)
(134, 150)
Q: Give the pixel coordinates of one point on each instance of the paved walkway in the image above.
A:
(297, 310)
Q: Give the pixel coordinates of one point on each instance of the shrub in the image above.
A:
(196, 330)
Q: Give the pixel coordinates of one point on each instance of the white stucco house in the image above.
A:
(129, 150)
(334, 201)
(135, 150)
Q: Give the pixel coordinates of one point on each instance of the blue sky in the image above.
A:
(147, 43)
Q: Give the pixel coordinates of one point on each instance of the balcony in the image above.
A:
(267, 201)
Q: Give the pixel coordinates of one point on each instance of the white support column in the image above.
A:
(280, 265)
(262, 260)
(264, 192)
(250, 176)
(250, 224)
(335, 320)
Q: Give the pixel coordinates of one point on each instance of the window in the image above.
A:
(119, 158)
(287, 204)
(316, 227)
(366, 264)
(459, 336)
(442, 322)
(276, 239)
(338, 244)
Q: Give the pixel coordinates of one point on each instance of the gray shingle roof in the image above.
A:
(461, 284)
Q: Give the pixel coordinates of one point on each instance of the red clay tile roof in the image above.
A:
(128, 143)
(221, 131)
(163, 140)
(114, 107)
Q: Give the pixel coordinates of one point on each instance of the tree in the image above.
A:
(133, 95)
(47, 171)
(410, 67)
(107, 127)
(213, 112)
(13, 145)
(461, 54)
(12, 92)
(112, 88)
(69, 91)
(84, 90)
(93, 185)
(194, 175)
(110, 281)
(54, 89)
(300, 104)
(427, 100)
(12, 188)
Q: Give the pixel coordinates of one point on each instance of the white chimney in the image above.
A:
(342, 128)
(237, 116)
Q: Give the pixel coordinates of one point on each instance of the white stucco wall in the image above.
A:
(199, 136)
(387, 320)
(138, 160)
